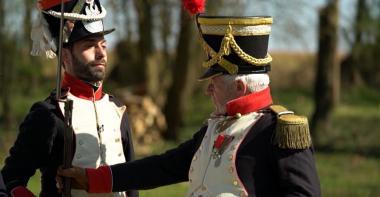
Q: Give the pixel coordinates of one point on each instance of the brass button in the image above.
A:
(231, 170)
(194, 158)
(119, 154)
(235, 182)
(231, 157)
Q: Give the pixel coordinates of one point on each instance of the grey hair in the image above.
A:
(254, 82)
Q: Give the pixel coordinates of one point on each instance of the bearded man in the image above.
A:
(99, 122)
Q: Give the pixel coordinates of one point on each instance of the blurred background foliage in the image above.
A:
(328, 69)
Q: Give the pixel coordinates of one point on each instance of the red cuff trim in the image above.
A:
(99, 180)
(21, 191)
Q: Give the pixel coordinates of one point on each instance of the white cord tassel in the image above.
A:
(76, 16)
(42, 39)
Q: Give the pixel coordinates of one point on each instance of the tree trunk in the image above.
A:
(165, 30)
(174, 107)
(124, 71)
(165, 55)
(128, 21)
(350, 71)
(5, 114)
(150, 78)
(327, 78)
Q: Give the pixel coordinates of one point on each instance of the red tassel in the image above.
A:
(47, 4)
(194, 6)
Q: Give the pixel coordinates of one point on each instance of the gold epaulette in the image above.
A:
(292, 131)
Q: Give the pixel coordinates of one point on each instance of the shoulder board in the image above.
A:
(292, 131)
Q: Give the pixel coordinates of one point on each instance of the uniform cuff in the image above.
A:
(21, 191)
(99, 180)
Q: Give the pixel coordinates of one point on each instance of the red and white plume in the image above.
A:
(194, 6)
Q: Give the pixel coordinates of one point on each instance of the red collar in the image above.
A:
(249, 103)
(81, 89)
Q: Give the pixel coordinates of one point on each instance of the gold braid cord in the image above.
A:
(229, 42)
(218, 59)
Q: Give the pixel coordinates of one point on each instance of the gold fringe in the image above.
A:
(292, 131)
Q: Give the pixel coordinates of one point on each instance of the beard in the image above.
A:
(89, 71)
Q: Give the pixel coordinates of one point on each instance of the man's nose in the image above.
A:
(100, 52)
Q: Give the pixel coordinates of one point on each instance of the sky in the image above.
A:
(295, 26)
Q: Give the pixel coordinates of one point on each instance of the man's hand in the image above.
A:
(78, 176)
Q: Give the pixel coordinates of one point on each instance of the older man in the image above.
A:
(248, 147)
(99, 122)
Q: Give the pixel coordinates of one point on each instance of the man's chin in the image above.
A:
(98, 77)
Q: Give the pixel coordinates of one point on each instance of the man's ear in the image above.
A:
(241, 87)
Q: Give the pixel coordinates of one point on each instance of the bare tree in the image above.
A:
(166, 23)
(174, 106)
(327, 75)
(5, 99)
(7, 54)
(362, 65)
(144, 10)
(350, 71)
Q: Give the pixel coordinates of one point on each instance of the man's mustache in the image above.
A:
(93, 63)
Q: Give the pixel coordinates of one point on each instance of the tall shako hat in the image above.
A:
(83, 18)
(235, 45)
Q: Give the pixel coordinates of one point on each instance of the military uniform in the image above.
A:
(39, 144)
(255, 162)
(100, 127)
